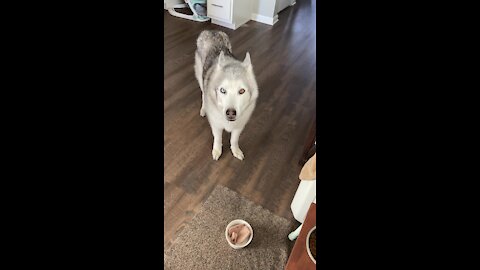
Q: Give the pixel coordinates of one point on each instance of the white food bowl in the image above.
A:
(233, 223)
(308, 245)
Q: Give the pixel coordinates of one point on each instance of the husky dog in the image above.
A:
(229, 89)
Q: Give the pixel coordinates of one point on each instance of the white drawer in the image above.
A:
(219, 9)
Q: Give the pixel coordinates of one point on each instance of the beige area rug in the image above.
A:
(202, 244)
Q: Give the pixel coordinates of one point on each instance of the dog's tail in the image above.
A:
(209, 38)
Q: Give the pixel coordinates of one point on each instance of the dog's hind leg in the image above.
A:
(236, 151)
(198, 74)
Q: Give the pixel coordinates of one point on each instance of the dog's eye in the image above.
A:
(223, 91)
(241, 91)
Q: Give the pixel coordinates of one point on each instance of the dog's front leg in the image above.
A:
(217, 142)
(234, 144)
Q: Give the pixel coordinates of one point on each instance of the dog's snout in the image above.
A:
(231, 114)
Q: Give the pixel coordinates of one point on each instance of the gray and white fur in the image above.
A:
(229, 89)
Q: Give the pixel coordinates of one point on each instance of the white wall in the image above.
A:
(264, 7)
(282, 4)
(269, 8)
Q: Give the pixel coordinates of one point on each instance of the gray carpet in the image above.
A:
(202, 244)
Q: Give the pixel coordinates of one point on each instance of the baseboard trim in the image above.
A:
(275, 19)
(224, 24)
(265, 19)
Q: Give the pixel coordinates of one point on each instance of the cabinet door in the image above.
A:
(219, 9)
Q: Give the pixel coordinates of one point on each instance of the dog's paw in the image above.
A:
(237, 153)
(216, 153)
(202, 112)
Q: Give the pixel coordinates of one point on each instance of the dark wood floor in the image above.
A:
(283, 56)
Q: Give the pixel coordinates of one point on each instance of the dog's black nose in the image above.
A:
(231, 114)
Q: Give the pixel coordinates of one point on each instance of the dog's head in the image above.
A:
(233, 86)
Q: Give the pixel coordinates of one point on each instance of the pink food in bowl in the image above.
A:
(238, 233)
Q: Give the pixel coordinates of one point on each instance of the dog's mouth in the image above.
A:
(231, 118)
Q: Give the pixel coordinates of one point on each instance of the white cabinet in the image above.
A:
(229, 13)
(220, 9)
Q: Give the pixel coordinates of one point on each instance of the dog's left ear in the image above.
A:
(221, 59)
(247, 62)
